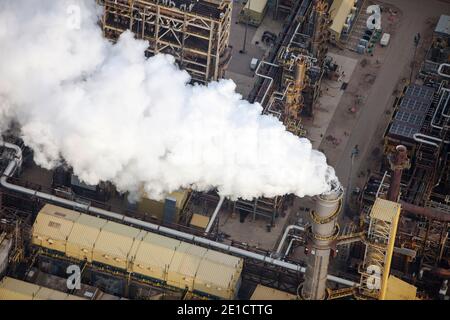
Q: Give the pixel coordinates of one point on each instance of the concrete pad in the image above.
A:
(328, 102)
(253, 232)
(240, 62)
(366, 127)
(244, 84)
(268, 24)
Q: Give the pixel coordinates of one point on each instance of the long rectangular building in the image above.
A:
(13, 289)
(145, 254)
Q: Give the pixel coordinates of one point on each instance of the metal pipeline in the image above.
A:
(15, 163)
(441, 73)
(398, 163)
(417, 138)
(288, 249)
(265, 77)
(441, 272)
(282, 95)
(214, 215)
(443, 109)
(426, 212)
(285, 234)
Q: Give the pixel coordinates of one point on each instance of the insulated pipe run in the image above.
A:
(441, 73)
(285, 234)
(269, 108)
(17, 161)
(417, 137)
(441, 272)
(430, 213)
(214, 215)
(265, 77)
(398, 162)
(288, 249)
(443, 109)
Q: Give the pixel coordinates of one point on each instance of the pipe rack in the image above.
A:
(16, 162)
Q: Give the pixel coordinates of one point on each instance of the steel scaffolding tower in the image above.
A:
(196, 34)
(380, 241)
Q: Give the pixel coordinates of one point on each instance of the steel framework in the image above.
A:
(265, 207)
(197, 35)
(380, 241)
(433, 239)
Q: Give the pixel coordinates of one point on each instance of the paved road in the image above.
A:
(396, 62)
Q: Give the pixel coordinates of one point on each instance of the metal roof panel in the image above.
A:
(385, 210)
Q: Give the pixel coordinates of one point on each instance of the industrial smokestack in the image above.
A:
(114, 115)
(398, 161)
(324, 229)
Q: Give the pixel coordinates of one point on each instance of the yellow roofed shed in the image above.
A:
(184, 266)
(218, 274)
(53, 226)
(385, 210)
(265, 293)
(223, 258)
(253, 12)
(13, 289)
(216, 279)
(179, 264)
(398, 289)
(155, 208)
(114, 244)
(199, 221)
(154, 255)
(81, 241)
(339, 11)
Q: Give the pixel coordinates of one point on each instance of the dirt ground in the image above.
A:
(371, 90)
(378, 79)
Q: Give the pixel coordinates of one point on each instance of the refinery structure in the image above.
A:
(381, 233)
(195, 33)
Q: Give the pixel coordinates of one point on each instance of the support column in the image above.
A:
(399, 161)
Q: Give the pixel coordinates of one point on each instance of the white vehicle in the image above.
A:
(385, 39)
(254, 64)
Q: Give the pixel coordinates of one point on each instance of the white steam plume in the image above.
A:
(115, 116)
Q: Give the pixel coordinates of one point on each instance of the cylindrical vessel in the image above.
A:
(324, 229)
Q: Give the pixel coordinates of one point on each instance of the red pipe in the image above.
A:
(430, 213)
(398, 161)
(441, 272)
